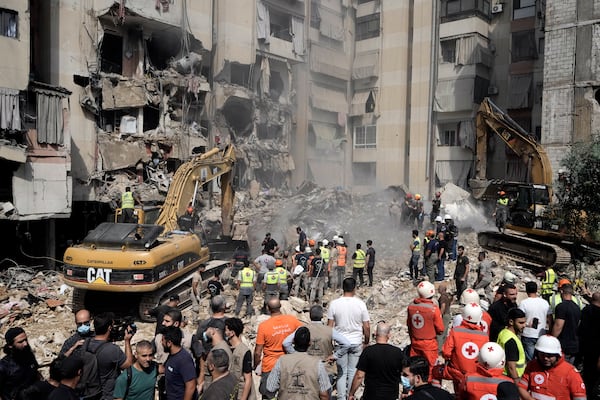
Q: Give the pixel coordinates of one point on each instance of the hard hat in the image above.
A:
(509, 277)
(325, 242)
(408, 196)
(429, 233)
(417, 196)
(340, 241)
(438, 218)
(335, 238)
(311, 242)
(426, 289)
(307, 249)
(548, 344)
(563, 282)
(472, 313)
(190, 209)
(502, 193)
(438, 194)
(491, 355)
(469, 296)
(278, 263)
(297, 249)
(447, 217)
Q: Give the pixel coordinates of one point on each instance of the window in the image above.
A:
(523, 46)
(280, 25)
(541, 45)
(456, 9)
(315, 15)
(363, 1)
(448, 50)
(448, 135)
(364, 173)
(365, 137)
(8, 23)
(523, 9)
(367, 27)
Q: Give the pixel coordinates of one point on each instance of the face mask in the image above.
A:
(206, 338)
(83, 330)
(406, 383)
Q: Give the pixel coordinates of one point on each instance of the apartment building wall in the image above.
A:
(15, 75)
(570, 94)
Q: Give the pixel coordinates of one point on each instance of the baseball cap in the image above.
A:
(174, 297)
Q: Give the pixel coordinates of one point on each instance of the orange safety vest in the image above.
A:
(341, 260)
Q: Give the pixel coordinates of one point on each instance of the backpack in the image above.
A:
(89, 386)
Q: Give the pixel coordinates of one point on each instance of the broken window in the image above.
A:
(364, 173)
(111, 54)
(151, 118)
(280, 25)
(523, 46)
(365, 137)
(448, 134)
(240, 74)
(162, 47)
(275, 85)
(367, 27)
(8, 23)
(268, 132)
(448, 50)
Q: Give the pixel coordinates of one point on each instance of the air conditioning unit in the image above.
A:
(492, 90)
(496, 8)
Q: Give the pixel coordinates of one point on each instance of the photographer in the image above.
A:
(111, 359)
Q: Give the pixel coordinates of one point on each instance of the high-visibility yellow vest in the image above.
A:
(272, 278)
(504, 336)
(282, 275)
(548, 281)
(247, 275)
(127, 200)
(417, 248)
(359, 261)
(556, 299)
(325, 254)
(503, 201)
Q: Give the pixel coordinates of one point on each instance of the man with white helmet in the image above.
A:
(341, 259)
(424, 323)
(450, 237)
(549, 376)
(483, 383)
(471, 296)
(463, 345)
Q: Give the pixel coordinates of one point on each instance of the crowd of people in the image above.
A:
(542, 347)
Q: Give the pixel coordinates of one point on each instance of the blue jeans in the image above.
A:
(441, 272)
(347, 358)
(528, 346)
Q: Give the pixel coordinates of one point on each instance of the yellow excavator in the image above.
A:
(120, 265)
(537, 235)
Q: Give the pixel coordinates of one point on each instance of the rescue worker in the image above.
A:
(188, 221)
(431, 257)
(300, 268)
(510, 341)
(415, 249)
(270, 286)
(471, 296)
(317, 270)
(501, 211)
(548, 278)
(442, 246)
(463, 345)
(406, 208)
(483, 383)
(426, 239)
(128, 202)
(283, 279)
(450, 237)
(246, 282)
(436, 204)
(484, 273)
(358, 266)
(424, 323)
(340, 268)
(556, 298)
(549, 376)
(419, 211)
(239, 258)
(325, 254)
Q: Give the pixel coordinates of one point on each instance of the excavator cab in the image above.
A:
(528, 204)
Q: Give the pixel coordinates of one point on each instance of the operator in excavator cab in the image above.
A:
(188, 221)
(501, 212)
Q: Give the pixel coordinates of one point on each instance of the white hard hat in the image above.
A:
(509, 277)
(426, 289)
(307, 249)
(335, 238)
(297, 249)
(438, 218)
(469, 296)
(325, 242)
(472, 313)
(548, 344)
(491, 355)
(340, 240)
(447, 216)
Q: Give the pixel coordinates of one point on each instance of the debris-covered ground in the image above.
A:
(39, 301)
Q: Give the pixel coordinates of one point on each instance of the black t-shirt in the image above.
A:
(429, 392)
(371, 254)
(110, 358)
(382, 364)
(214, 288)
(568, 311)
(318, 267)
(511, 350)
(301, 259)
(302, 239)
(159, 313)
(461, 266)
(247, 363)
(179, 369)
(499, 313)
(63, 392)
(222, 389)
(269, 245)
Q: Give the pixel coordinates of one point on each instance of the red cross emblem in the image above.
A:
(488, 396)
(417, 321)
(470, 350)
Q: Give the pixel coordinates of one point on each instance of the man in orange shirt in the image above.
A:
(269, 342)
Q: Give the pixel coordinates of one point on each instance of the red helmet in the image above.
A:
(408, 196)
(502, 193)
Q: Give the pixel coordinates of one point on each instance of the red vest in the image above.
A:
(424, 320)
(462, 348)
(482, 384)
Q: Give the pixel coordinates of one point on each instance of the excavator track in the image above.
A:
(524, 250)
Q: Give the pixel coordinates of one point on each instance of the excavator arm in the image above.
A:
(189, 178)
(492, 120)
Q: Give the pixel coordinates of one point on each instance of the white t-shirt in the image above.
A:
(264, 261)
(534, 307)
(349, 313)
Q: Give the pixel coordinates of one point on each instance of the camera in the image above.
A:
(120, 327)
